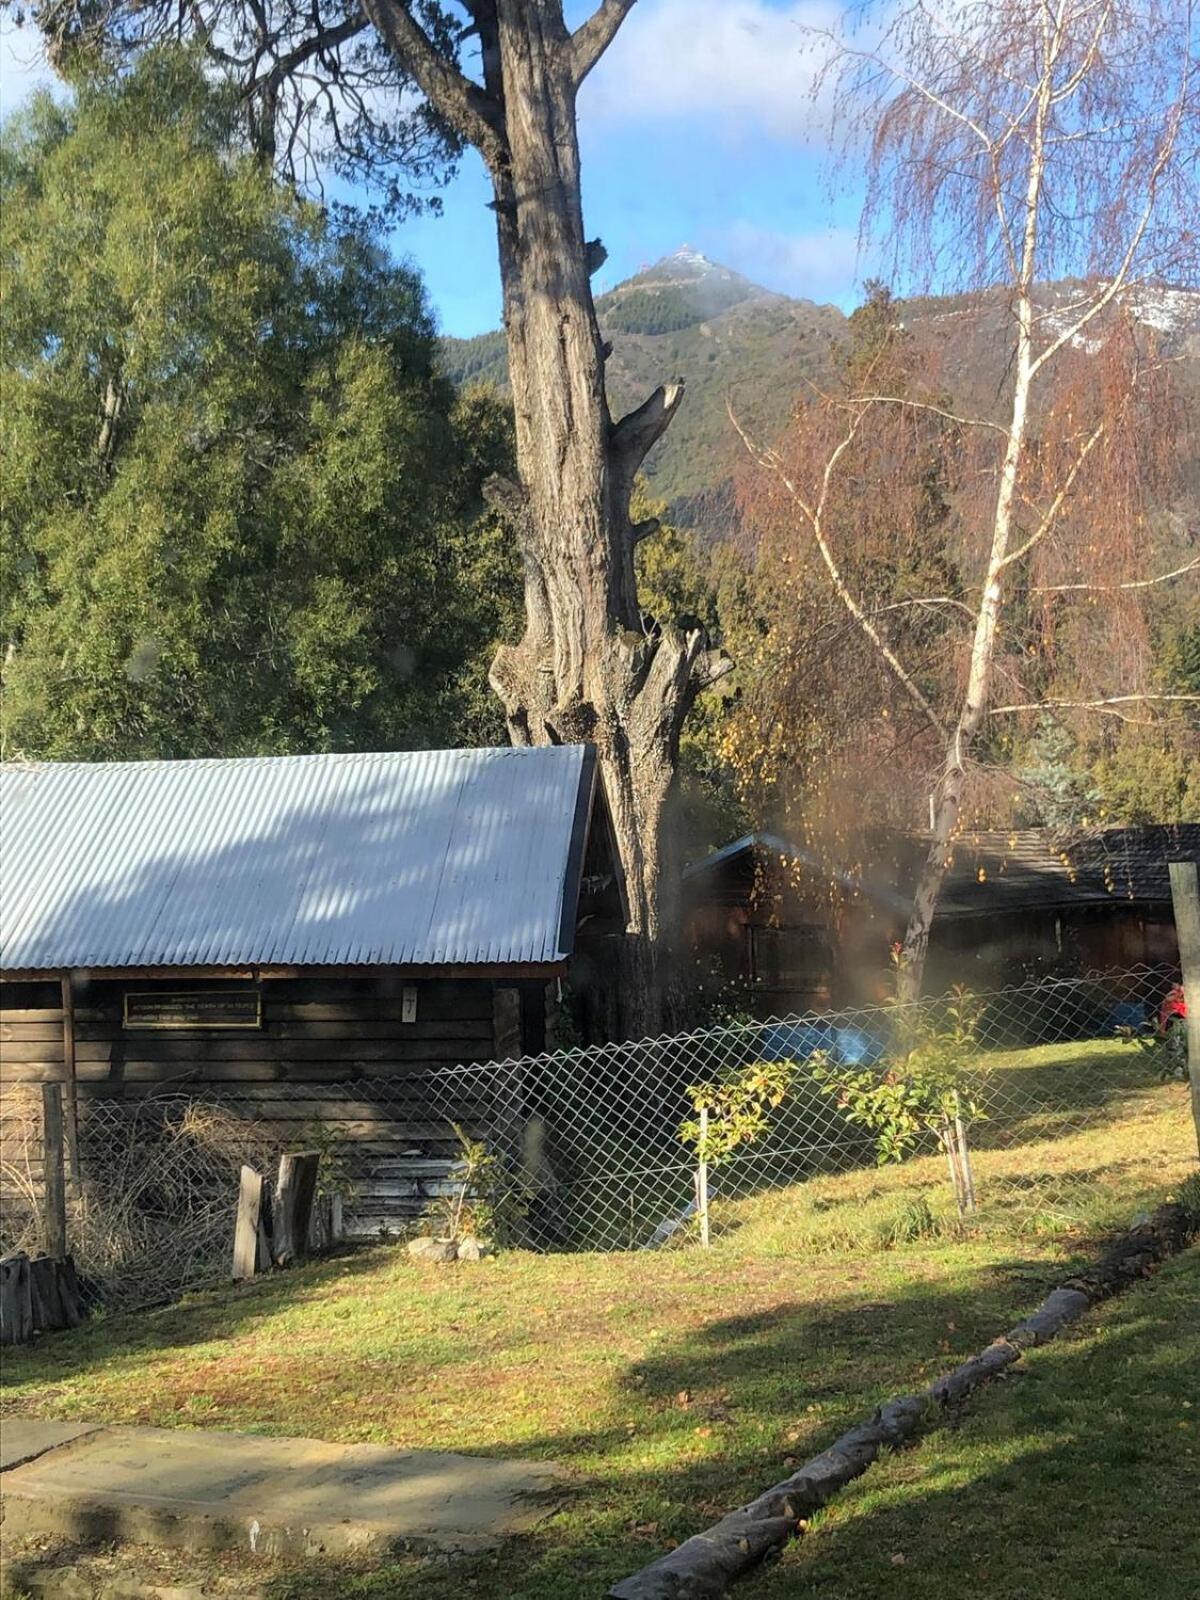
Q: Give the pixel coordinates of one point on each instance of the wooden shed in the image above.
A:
(803, 933)
(312, 937)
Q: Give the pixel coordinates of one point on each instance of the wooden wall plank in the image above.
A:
(217, 1047)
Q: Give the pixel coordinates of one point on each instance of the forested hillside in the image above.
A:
(728, 338)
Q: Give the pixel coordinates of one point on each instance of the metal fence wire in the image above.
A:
(1063, 1098)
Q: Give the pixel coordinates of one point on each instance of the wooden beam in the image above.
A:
(483, 971)
(291, 1214)
(54, 1189)
(246, 1250)
(69, 1079)
(1185, 894)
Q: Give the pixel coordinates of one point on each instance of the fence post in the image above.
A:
(295, 1189)
(702, 1178)
(247, 1253)
(1185, 895)
(71, 1080)
(54, 1214)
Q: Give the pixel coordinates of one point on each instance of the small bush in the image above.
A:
(1188, 1195)
(913, 1221)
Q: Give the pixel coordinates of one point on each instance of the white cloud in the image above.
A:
(23, 66)
(746, 65)
(818, 264)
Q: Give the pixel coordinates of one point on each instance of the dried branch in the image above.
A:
(1108, 706)
(1112, 588)
(593, 37)
(814, 513)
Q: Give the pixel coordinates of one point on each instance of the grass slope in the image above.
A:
(1077, 1479)
(674, 1385)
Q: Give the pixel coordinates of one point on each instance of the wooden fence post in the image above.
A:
(1185, 895)
(70, 1079)
(291, 1213)
(54, 1214)
(702, 1179)
(16, 1299)
(246, 1252)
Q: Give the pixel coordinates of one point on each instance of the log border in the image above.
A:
(704, 1565)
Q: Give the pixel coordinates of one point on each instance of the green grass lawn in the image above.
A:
(1076, 1479)
(674, 1385)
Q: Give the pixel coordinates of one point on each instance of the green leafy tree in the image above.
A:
(928, 1085)
(241, 506)
(678, 584)
(1153, 775)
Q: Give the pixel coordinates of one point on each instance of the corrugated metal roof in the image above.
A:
(1036, 869)
(413, 858)
(991, 871)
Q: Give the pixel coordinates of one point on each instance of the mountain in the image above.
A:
(730, 338)
(688, 317)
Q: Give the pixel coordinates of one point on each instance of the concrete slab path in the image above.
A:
(200, 1490)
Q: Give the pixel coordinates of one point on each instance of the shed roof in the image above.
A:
(433, 857)
(1030, 869)
(994, 871)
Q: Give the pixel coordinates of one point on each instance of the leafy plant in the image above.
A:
(1166, 1052)
(925, 1087)
(735, 1109)
(481, 1204)
(333, 1172)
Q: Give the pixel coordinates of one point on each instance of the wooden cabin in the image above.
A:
(799, 933)
(309, 939)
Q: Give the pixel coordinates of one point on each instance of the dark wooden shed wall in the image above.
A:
(333, 1051)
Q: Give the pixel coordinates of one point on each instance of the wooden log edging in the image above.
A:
(703, 1566)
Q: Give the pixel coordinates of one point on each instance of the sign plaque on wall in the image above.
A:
(201, 1008)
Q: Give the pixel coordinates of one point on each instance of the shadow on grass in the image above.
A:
(123, 1340)
(1038, 1094)
(1077, 1478)
(703, 1420)
(1067, 1480)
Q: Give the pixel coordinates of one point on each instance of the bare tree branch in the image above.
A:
(922, 405)
(593, 37)
(813, 514)
(639, 430)
(1118, 282)
(1108, 705)
(466, 106)
(1112, 588)
(1051, 515)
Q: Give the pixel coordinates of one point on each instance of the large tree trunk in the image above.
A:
(589, 666)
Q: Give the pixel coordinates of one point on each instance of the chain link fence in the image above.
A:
(154, 1212)
(1064, 1096)
(1041, 1107)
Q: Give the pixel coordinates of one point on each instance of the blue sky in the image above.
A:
(698, 127)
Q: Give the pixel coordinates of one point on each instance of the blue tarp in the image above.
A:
(800, 1041)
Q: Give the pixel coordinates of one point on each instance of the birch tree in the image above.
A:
(394, 87)
(1011, 143)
